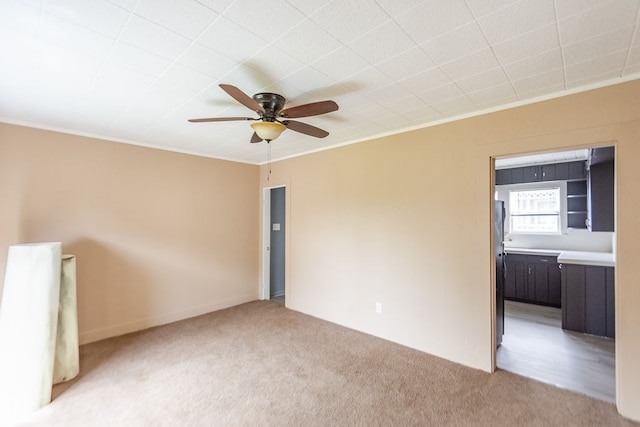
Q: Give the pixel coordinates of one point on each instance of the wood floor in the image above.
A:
(535, 346)
(278, 299)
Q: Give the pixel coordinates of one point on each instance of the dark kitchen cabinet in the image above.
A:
(601, 196)
(551, 172)
(548, 172)
(533, 279)
(577, 170)
(531, 174)
(588, 299)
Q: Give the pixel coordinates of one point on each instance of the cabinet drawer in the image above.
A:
(542, 259)
(516, 258)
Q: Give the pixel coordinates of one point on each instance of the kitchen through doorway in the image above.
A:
(274, 247)
(559, 269)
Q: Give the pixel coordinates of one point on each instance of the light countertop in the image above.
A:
(604, 259)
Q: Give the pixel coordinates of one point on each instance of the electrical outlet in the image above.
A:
(379, 307)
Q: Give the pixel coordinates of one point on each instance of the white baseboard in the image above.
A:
(149, 322)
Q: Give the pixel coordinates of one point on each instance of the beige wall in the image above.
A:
(405, 220)
(158, 236)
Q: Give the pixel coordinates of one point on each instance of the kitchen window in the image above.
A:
(535, 211)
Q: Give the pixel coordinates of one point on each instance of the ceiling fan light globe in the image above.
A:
(268, 130)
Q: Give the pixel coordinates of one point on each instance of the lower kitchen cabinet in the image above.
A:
(533, 279)
(588, 299)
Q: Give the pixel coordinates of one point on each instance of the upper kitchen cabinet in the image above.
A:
(568, 171)
(601, 189)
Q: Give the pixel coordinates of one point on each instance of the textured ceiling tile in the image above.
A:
(180, 75)
(597, 46)
(387, 93)
(369, 78)
(186, 17)
(591, 79)
(598, 20)
(18, 21)
(567, 8)
(341, 63)
(456, 44)
(534, 65)
(216, 5)
(477, 62)
(454, 106)
(308, 79)
(269, 22)
(517, 19)
(129, 5)
(382, 43)
(407, 63)
(104, 17)
(400, 105)
(207, 61)
(137, 59)
(490, 78)
(544, 79)
(441, 93)
(425, 80)
(73, 38)
(348, 20)
(432, 19)
(630, 70)
(610, 64)
(502, 93)
(485, 7)
(153, 38)
(229, 39)
(395, 7)
(118, 75)
(422, 114)
(307, 42)
(272, 64)
(527, 45)
(118, 84)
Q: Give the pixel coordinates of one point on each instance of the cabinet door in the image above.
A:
(517, 175)
(611, 303)
(540, 283)
(555, 284)
(601, 197)
(577, 170)
(573, 298)
(516, 277)
(548, 173)
(531, 173)
(595, 297)
(562, 171)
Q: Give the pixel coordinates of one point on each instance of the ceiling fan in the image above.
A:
(273, 118)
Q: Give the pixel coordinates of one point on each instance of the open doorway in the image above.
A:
(559, 269)
(274, 254)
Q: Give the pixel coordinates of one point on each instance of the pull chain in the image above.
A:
(269, 159)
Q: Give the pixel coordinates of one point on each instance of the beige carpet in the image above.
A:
(260, 364)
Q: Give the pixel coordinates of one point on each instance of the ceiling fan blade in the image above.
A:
(219, 119)
(306, 129)
(312, 109)
(255, 138)
(242, 98)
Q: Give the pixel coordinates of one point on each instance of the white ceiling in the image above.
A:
(543, 158)
(136, 70)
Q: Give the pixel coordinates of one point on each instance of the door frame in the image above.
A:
(265, 286)
(492, 160)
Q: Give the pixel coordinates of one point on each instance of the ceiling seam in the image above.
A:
(560, 46)
(634, 36)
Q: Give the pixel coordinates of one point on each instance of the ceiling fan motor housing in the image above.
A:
(271, 102)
